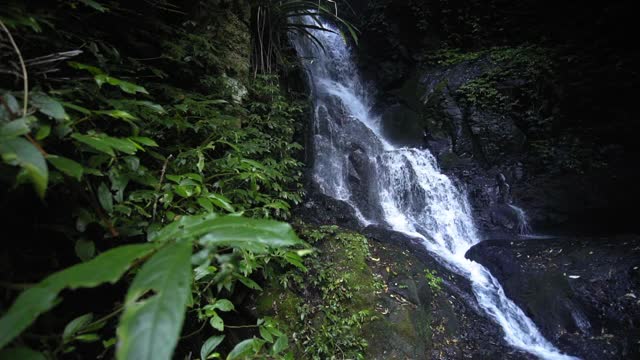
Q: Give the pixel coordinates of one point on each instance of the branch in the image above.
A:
(164, 169)
(24, 69)
(26, 86)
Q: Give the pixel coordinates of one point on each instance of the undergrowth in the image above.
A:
(156, 161)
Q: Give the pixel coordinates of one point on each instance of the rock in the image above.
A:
(423, 323)
(574, 289)
(319, 209)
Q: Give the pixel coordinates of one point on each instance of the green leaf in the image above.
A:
(94, 141)
(125, 86)
(117, 114)
(249, 283)
(245, 348)
(217, 322)
(92, 69)
(105, 197)
(85, 249)
(200, 164)
(223, 305)
(155, 305)
(123, 145)
(77, 108)
(239, 232)
(94, 4)
(107, 267)
(144, 141)
(221, 202)
(43, 132)
(234, 231)
(88, 338)
(75, 326)
(21, 353)
(205, 203)
(14, 128)
(281, 344)
(20, 152)
(48, 106)
(67, 166)
(265, 334)
(12, 104)
(210, 345)
(295, 260)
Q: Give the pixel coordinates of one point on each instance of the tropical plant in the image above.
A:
(163, 191)
(275, 20)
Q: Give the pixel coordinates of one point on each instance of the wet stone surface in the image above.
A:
(583, 293)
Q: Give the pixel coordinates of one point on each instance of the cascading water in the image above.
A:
(523, 221)
(400, 188)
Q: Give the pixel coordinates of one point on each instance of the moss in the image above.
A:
(327, 306)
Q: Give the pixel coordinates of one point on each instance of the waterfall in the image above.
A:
(523, 221)
(400, 188)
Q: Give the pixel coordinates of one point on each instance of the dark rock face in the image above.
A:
(414, 321)
(419, 322)
(583, 294)
(563, 140)
(476, 144)
(320, 209)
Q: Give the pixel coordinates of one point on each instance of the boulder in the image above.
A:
(583, 293)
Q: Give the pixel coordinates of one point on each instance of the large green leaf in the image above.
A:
(20, 152)
(67, 166)
(92, 69)
(245, 348)
(107, 267)
(21, 353)
(240, 232)
(155, 305)
(210, 345)
(96, 142)
(108, 144)
(95, 5)
(230, 230)
(48, 106)
(123, 85)
(13, 129)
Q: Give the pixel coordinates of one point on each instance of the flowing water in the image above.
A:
(399, 188)
(523, 221)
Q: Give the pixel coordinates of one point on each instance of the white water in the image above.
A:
(399, 188)
(523, 221)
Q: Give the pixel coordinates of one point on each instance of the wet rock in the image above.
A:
(320, 209)
(582, 293)
(417, 321)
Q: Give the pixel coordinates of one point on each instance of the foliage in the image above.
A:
(529, 66)
(274, 20)
(448, 57)
(119, 151)
(325, 302)
(433, 280)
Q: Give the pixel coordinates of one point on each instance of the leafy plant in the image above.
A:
(339, 296)
(274, 20)
(433, 280)
(121, 154)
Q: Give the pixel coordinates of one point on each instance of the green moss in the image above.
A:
(450, 57)
(327, 306)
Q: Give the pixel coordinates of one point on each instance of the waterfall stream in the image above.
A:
(399, 188)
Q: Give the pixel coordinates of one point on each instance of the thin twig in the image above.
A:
(24, 68)
(164, 169)
(25, 81)
(195, 332)
(97, 207)
(240, 326)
